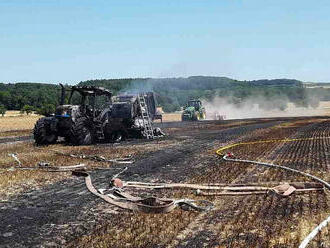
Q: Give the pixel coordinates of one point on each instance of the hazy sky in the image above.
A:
(71, 41)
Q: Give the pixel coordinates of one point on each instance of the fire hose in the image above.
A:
(229, 157)
(44, 166)
(281, 189)
(117, 197)
(149, 205)
(127, 160)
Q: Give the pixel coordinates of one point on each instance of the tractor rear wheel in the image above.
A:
(82, 132)
(42, 133)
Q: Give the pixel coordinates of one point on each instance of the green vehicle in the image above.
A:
(194, 111)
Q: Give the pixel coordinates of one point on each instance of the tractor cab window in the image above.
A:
(101, 102)
(195, 104)
(76, 98)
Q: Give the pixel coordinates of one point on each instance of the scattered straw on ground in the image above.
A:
(13, 182)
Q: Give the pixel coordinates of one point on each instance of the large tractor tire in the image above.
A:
(196, 116)
(42, 133)
(82, 132)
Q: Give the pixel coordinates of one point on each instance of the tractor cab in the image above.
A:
(88, 101)
(197, 104)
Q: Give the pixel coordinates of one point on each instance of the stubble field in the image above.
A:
(53, 209)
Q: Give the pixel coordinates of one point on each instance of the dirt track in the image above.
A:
(58, 214)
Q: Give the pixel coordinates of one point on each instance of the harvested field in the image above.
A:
(167, 117)
(15, 124)
(53, 209)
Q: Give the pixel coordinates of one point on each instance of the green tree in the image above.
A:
(46, 109)
(2, 110)
(27, 109)
(171, 92)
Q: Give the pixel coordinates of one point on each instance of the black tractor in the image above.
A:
(98, 118)
(80, 124)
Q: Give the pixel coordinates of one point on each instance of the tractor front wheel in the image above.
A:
(42, 133)
(196, 116)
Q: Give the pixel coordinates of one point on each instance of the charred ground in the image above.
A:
(64, 213)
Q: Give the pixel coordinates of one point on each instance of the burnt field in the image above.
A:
(54, 209)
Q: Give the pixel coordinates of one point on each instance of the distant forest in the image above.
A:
(172, 93)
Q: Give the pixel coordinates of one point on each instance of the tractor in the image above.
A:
(194, 111)
(97, 117)
(81, 123)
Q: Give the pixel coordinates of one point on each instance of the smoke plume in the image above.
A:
(257, 108)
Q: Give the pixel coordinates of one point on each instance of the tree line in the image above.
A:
(171, 93)
(28, 97)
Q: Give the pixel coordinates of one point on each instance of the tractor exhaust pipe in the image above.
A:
(62, 94)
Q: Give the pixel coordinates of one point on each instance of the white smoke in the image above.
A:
(138, 86)
(255, 108)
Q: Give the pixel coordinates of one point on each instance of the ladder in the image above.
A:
(148, 131)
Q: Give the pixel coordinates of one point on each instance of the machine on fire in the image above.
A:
(194, 111)
(88, 122)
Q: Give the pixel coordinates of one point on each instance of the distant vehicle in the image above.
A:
(194, 111)
(159, 114)
(216, 116)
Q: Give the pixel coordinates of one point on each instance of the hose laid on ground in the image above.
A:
(45, 166)
(326, 184)
(324, 223)
(127, 160)
(281, 189)
(192, 186)
(314, 232)
(221, 149)
(49, 168)
(151, 205)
